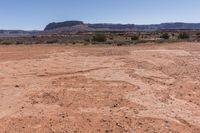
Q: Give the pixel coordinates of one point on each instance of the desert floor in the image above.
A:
(66, 89)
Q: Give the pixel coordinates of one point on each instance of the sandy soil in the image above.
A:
(71, 89)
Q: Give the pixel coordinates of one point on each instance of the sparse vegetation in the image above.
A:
(7, 42)
(110, 38)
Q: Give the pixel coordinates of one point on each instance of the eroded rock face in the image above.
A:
(54, 25)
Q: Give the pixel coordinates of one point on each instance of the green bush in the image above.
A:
(18, 42)
(165, 36)
(134, 38)
(51, 41)
(111, 38)
(198, 34)
(183, 35)
(99, 37)
(38, 42)
(87, 40)
(141, 41)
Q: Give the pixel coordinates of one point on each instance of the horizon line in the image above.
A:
(16, 29)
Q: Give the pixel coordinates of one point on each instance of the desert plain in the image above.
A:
(153, 88)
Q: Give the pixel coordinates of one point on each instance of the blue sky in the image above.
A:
(35, 14)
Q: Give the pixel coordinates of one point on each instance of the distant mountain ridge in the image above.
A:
(17, 33)
(81, 26)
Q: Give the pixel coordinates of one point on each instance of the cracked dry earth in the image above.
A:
(153, 88)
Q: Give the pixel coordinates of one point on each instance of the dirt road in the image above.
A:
(72, 89)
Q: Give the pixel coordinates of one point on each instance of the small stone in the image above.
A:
(17, 86)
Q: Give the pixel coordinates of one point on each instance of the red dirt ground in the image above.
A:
(153, 88)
